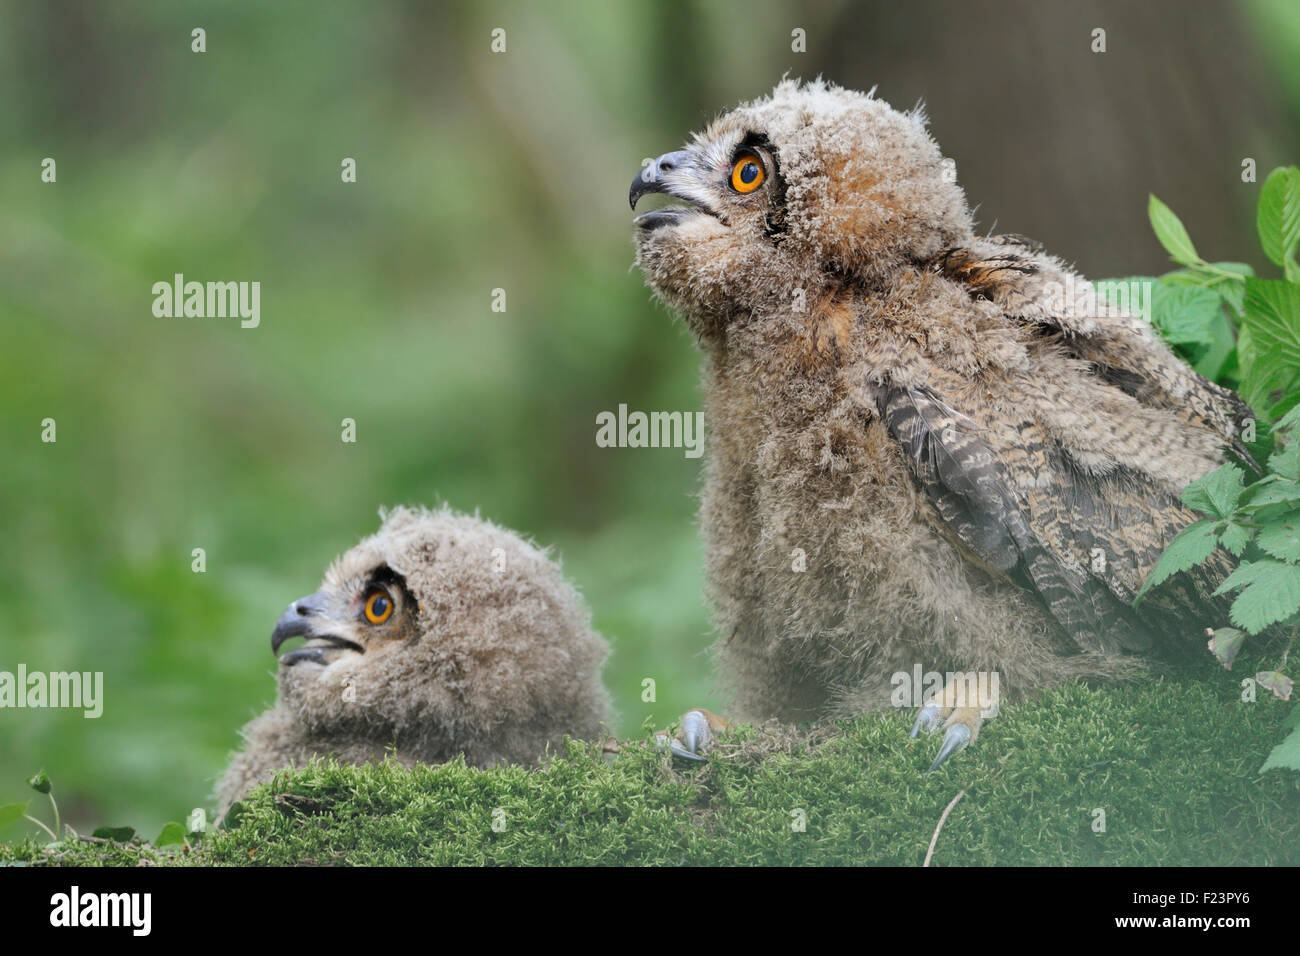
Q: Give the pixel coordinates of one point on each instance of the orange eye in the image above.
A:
(747, 175)
(379, 606)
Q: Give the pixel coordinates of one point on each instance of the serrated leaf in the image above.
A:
(1277, 682)
(1219, 352)
(1288, 421)
(1286, 462)
(1286, 755)
(1245, 573)
(1185, 315)
(1280, 538)
(1271, 595)
(1278, 216)
(1235, 538)
(1172, 234)
(1292, 719)
(1193, 545)
(172, 833)
(1273, 318)
(1284, 493)
(11, 812)
(1216, 493)
(1225, 642)
(116, 834)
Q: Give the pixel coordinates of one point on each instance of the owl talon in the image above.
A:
(927, 719)
(956, 738)
(694, 734)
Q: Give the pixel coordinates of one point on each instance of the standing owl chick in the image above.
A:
(441, 634)
(923, 450)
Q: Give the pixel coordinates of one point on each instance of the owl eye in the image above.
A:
(747, 174)
(379, 606)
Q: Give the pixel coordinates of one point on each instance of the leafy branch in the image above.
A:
(1243, 332)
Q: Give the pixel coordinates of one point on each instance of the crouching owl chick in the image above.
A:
(928, 449)
(441, 634)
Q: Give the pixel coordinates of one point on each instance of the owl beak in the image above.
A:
(297, 620)
(653, 179)
(300, 620)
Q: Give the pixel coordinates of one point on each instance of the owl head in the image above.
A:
(793, 194)
(446, 633)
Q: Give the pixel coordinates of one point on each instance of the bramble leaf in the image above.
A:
(1270, 593)
(1172, 234)
(1286, 755)
(1225, 643)
(1277, 682)
(1235, 538)
(1278, 218)
(1216, 493)
(1281, 537)
(1193, 545)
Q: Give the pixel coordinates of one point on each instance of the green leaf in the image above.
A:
(1284, 492)
(116, 834)
(40, 782)
(1245, 573)
(1286, 755)
(1216, 493)
(1286, 462)
(1193, 545)
(1278, 217)
(1172, 234)
(1277, 682)
(1273, 318)
(1280, 538)
(1225, 642)
(1185, 315)
(1219, 350)
(1235, 538)
(1271, 594)
(172, 834)
(1287, 421)
(1269, 344)
(11, 812)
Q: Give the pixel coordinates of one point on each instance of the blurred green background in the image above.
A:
(476, 171)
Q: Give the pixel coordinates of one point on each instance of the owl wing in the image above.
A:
(1124, 351)
(1083, 543)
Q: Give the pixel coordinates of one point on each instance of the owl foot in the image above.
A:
(695, 732)
(960, 729)
(961, 725)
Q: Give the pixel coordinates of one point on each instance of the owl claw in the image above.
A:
(679, 750)
(694, 734)
(927, 719)
(957, 737)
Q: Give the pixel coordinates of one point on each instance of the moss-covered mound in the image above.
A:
(1173, 765)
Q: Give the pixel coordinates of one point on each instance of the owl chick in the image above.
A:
(441, 634)
(930, 451)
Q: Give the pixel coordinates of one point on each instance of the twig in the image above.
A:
(53, 838)
(935, 839)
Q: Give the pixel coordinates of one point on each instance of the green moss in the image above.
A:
(1172, 763)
